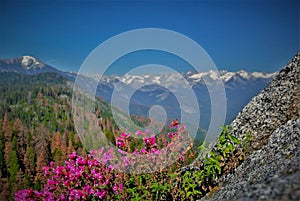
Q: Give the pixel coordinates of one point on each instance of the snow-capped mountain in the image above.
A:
(29, 62)
(152, 89)
(25, 65)
(177, 79)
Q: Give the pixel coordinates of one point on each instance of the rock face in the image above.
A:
(272, 173)
(272, 170)
(272, 107)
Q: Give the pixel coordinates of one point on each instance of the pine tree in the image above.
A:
(2, 154)
(13, 169)
(57, 148)
(7, 150)
(70, 148)
(20, 180)
(6, 128)
(40, 163)
(42, 142)
(29, 162)
(19, 131)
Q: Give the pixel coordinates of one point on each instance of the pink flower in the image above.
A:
(121, 151)
(120, 143)
(125, 160)
(143, 151)
(72, 155)
(51, 182)
(66, 183)
(125, 135)
(115, 188)
(80, 160)
(157, 152)
(139, 132)
(103, 194)
(46, 170)
(151, 140)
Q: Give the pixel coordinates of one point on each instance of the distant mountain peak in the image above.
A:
(26, 65)
(30, 62)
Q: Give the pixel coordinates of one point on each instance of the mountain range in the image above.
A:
(150, 89)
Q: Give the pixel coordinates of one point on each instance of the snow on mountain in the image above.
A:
(29, 62)
(177, 79)
(153, 89)
(25, 65)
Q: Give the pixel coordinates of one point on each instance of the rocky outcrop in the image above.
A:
(272, 173)
(272, 107)
(271, 170)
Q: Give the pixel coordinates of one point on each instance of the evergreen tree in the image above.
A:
(20, 132)
(29, 162)
(2, 153)
(13, 169)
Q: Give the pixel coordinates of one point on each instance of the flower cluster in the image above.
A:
(149, 156)
(95, 177)
(80, 179)
(120, 141)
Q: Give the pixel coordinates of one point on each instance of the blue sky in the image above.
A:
(252, 35)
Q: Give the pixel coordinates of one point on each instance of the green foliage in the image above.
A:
(13, 167)
(195, 184)
(247, 139)
(37, 185)
(212, 165)
(190, 187)
(226, 141)
(110, 136)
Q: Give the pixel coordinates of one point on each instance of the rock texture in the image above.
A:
(272, 169)
(272, 107)
(272, 173)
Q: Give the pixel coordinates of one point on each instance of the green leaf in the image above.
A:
(233, 139)
(197, 192)
(188, 194)
(222, 139)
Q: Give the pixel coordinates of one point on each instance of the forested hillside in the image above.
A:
(36, 127)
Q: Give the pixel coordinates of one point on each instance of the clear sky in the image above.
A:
(252, 35)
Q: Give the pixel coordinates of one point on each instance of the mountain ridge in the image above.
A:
(152, 90)
(29, 63)
(192, 77)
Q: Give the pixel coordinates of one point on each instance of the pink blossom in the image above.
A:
(139, 132)
(125, 135)
(72, 155)
(120, 143)
(51, 182)
(121, 151)
(125, 160)
(46, 170)
(143, 151)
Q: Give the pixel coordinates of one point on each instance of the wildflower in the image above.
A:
(139, 132)
(72, 155)
(174, 123)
